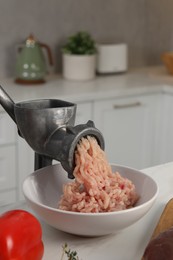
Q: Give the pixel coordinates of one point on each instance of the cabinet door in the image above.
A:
(7, 167)
(83, 113)
(8, 197)
(25, 163)
(128, 126)
(8, 129)
(165, 143)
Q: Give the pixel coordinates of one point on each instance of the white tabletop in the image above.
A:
(129, 244)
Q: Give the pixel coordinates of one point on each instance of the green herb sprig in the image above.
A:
(72, 255)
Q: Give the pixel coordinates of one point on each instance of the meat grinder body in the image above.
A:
(47, 125)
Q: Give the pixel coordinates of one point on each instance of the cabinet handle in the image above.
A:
(135, 104)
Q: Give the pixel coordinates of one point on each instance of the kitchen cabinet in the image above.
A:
(7, 130)
(83, 113)
(129, 127)
(25, 162)
(8, 166)
(165, 140)
(133, 112)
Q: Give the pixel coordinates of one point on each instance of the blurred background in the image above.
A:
(145, 25)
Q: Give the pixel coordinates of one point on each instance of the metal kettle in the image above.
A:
(31, 65)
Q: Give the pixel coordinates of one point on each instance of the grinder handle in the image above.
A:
(7, 103)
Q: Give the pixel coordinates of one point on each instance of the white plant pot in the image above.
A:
(79, 67)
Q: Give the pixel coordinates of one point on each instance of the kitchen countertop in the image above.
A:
(139, 81)
(134, 239)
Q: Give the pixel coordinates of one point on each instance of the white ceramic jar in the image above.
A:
(112, 58)
(79, 67)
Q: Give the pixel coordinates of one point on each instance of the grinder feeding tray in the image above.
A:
(47, 125)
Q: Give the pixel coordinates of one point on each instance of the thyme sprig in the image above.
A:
(72, 255)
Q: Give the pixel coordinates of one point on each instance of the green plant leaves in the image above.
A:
(80, 43)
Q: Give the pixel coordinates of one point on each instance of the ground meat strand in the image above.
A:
(96, 188)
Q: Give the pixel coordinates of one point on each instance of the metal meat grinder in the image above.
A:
(47, 125)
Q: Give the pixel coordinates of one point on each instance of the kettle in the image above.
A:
(31, 67)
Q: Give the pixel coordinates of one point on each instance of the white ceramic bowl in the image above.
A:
(43, 188)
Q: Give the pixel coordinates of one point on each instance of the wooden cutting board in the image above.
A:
(165, 221)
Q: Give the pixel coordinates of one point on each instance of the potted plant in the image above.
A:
(79, 57)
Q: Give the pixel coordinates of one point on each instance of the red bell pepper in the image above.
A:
(20, 236)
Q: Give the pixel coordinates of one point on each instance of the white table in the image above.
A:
(126, 245)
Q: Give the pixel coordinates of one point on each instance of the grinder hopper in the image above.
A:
(47, 125)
